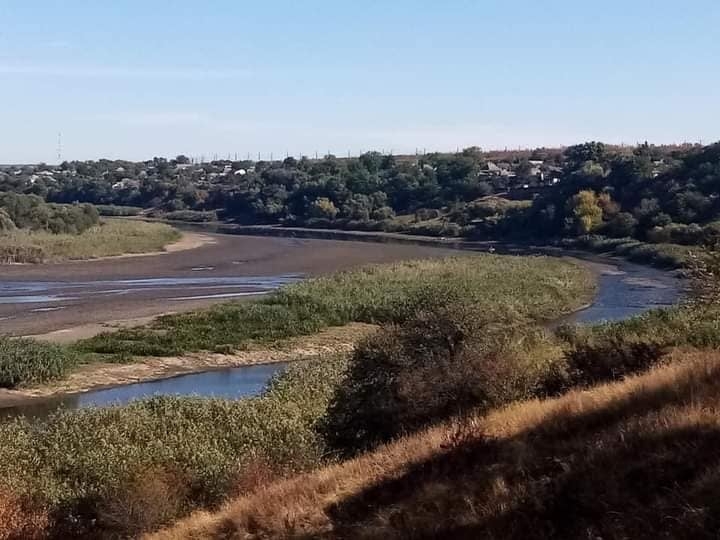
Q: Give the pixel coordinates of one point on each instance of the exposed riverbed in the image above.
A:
(624, 289)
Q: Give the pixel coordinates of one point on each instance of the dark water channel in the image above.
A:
(624, 290)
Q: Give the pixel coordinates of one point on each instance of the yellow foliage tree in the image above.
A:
(586, 212)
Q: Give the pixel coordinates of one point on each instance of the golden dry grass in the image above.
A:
(634, 459)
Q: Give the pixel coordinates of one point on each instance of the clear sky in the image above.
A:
(139, 78)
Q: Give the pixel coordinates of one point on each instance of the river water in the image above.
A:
(624, 290)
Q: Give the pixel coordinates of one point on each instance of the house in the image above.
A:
(492, 168)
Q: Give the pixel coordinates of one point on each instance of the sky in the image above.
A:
(134, 79)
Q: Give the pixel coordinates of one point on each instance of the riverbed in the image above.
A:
(624, 289)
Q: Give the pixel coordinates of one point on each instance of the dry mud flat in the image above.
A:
(76, 299)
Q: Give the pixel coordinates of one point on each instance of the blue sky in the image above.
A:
(134, 79)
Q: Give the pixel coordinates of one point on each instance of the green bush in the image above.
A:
(31, 212)
(111, 210)
(192, 216)
(28, 361)
(438, 364)
(612, 350)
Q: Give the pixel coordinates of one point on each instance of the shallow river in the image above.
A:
(624, 290)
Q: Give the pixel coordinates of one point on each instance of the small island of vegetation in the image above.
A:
(32, 231)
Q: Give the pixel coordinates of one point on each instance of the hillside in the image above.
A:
(631, 459)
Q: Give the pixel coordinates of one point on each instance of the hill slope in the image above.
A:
(634, 459)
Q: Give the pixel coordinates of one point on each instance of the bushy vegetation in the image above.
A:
(32, 213)
(111, 210)
(437, 364)
(108, 238)
(25, 361)
(191, 216)
(447, 348)
(508, 288)
(631, 459)
(120, 470)
(666, 195)
(659, 255)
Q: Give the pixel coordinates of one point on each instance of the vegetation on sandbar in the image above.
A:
(506, 288)
(105, 239)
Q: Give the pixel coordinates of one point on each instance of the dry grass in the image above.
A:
(110, 238)
(21, 519)
(634, 459)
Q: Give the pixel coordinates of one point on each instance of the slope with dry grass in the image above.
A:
(631, 459)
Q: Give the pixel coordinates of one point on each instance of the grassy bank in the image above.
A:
(26, 361)
(507, 288)
(632, 459)
(121, 470)
(661, 255)
(111, 237)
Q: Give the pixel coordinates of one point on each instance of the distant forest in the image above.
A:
(651, 194)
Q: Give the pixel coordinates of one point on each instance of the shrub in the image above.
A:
(440, 363)
(111, 210)
(145, 501)
(124, 469)
(25, 361)
(31, 212)
(425, 214)
(613, 350)
(21, 518)
(435, 228)
(6, 223)
(192, 216)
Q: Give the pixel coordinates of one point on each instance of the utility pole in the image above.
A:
(59, 148)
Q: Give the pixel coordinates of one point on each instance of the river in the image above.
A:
(624, 290)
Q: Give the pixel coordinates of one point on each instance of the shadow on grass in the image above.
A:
(643, 465)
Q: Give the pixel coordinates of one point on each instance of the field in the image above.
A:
(110, 238)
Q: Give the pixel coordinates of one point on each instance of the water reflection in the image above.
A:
(232, 383)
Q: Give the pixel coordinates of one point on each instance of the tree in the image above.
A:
(322, 207)
(621, 226)
(586, 212)
(6, 224)
(581, 153)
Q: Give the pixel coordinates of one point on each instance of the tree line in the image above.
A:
(650, 193)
